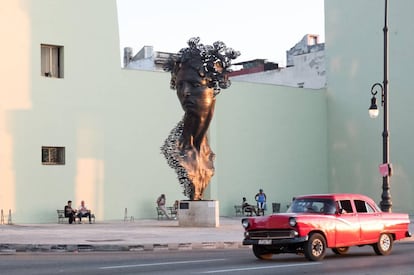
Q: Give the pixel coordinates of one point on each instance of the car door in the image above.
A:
(370, 221)
(347, 224)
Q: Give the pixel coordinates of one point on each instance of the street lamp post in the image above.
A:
(385, 168)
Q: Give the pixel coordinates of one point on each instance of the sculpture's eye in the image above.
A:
(196, 84)
(179, 85)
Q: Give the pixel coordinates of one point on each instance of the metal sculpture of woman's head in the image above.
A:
(197, 74)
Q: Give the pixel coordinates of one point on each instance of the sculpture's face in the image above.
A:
(195, 96)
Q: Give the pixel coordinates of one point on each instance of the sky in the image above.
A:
(260, 29)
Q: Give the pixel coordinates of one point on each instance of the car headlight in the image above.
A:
(245, 223)
(292, 221)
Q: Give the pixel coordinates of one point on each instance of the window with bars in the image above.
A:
(51, 61)
(53, 155)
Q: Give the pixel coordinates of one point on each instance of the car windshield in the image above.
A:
(312, 205)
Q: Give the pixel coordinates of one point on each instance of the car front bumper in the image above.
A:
(275, 241)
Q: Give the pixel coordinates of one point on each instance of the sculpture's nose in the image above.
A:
(186, 90)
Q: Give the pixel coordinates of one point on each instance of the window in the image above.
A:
(51, 61)
(360, 206)
(312, 205)
(346, 205)
(53, 155)
(363, 207)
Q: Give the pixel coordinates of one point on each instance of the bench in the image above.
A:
(172, 212)
(63, 219)
(246, 212)
(8, 217)
(238, 210)
(126, 217)
(61, 216)
(275, 207)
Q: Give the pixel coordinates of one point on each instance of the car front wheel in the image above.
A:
(261, 253)
(384, 244)
(315, 247)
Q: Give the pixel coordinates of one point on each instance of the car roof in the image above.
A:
(336, 196)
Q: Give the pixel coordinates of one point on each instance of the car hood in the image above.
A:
(272, 221)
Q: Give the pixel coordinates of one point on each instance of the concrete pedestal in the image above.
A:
(198, 214)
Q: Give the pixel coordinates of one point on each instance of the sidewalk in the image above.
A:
(150, 234)
(138, 235)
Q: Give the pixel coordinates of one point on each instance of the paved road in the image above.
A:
(207, 261)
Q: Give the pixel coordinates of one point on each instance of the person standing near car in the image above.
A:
(261, 201)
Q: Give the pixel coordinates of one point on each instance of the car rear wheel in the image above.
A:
(261, 253)
(340, 250)
(384, 244)
(315, 247)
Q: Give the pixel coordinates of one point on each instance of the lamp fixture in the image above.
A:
(373, 109)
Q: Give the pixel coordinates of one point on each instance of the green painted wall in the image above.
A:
(270, 137)
(354, 51)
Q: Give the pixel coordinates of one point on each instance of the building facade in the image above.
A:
(305, 65)
(75, 125)
(355, 54)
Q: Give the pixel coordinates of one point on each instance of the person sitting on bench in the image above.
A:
(246, 207)
(83, 211)
(70, 212)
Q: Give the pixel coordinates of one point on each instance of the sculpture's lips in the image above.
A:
(188, 103)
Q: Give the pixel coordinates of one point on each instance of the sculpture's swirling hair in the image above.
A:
(211, 61)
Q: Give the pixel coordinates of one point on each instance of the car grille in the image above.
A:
(275, 234)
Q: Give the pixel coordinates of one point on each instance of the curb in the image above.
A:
(6, 249)
(9, 249)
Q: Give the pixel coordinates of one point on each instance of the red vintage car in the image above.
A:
(314, 223)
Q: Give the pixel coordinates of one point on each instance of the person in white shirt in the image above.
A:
(83, 211)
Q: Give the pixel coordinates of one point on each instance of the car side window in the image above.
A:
(363, 207)
(370, 209)
(345, 205)
(329, 207)
(360, 206)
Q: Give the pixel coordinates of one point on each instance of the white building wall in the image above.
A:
(308, 72)
(306, 66)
